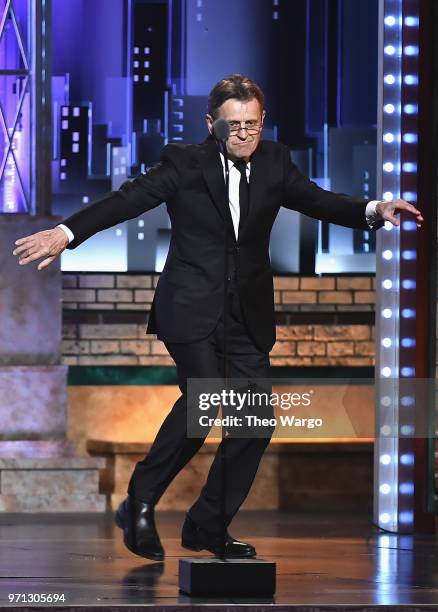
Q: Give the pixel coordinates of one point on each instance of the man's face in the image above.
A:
(241, 144)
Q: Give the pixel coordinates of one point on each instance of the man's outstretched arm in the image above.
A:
(133, 198)
(305, 196)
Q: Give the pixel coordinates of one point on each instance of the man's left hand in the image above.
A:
(388, 210)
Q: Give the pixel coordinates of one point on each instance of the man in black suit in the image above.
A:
(187, 313)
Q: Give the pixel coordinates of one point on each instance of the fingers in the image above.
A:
(31, 257)
(24, 247)
(24, 239)
(397, 206)
(403, 205)
(46, 262)
(394, 220)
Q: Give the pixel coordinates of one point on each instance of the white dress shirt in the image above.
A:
(234, 175)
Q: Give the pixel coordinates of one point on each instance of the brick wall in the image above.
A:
(320, 320)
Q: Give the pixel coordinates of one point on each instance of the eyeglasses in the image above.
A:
(251, 127)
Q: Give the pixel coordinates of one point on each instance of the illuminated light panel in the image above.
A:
(407, 371)
(411, 21)
(410, 50)
(406, 517)
(406, 488)
(408, 283)
(410, 79)
(408, 313)
(410, 138)
(409, 195)
(407, 430)
(407, 400)
(407, 459)
(409, 226)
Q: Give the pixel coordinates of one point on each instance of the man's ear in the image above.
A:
(263, 115)
(209, 120)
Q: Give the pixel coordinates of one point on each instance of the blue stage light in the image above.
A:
(409, 226)
(408, 313)
(411, 50)
(407, 371)
(407, 459)
(408, 283)
(410, 138)
(411, 21)
(410, 109)
(406, 488)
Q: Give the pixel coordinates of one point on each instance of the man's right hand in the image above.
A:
(48, 243)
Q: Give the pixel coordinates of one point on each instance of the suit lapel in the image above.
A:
(255, 186)
(213, 173)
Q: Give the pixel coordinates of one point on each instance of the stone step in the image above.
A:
(52, 463)
(51, 484)
(36, 448)
(31, 482)
(92, 502)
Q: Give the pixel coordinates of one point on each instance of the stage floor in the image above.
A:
(321, 560)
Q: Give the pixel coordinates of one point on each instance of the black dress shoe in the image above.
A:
(195, 537)
(136, 519)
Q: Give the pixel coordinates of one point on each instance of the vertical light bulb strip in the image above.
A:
(396, 267)
(387, 269)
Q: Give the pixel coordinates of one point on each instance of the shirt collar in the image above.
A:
(231, 163)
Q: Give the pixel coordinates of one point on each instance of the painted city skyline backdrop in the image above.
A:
(129, 76)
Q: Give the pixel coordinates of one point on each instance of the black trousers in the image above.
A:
(172, 449)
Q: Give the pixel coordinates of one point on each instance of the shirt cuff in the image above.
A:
(371, 214)
(69, 233)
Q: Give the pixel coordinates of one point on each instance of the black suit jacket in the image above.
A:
(188, 299)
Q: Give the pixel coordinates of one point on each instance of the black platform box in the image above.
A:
(227, 577)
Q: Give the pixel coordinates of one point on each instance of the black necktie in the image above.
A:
(243, 192)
